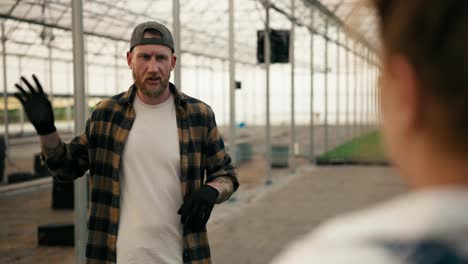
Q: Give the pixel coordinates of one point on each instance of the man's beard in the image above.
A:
(151, 93)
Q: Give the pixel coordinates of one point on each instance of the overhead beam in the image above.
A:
(13, 7)
(39, 23)
(338, 21)
(35, 22)
(325, 35)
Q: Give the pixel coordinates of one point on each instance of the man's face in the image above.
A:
(151, 68)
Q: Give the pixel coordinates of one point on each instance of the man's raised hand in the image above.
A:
(37, 107)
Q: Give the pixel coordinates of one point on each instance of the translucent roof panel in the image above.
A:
(34, 26)
(357, 15)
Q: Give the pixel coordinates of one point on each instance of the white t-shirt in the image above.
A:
(411, 219)
(149, 226)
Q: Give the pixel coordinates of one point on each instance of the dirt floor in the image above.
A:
(252, 227)
(258, 232)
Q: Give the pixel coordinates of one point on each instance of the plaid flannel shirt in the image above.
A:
(100, 147)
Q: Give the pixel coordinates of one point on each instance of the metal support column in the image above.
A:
(293, 69)
(253, 103)
(373, 86)
(376, 93)
(362, 102)
(326, 88)
(104, 80)
(197, 78)
(312, 126)
(212, 81)
(223, 90)
(5, 98)
(80, 112)
(337, 126)
(369, 92)
(365, 83)
(177, 43)
(87, 75)
(51, 72)
(232, 84)
(379, 72)
(266, 54)
(68, 109)
(116, 67)
(347, 87)
(355, 112)
(21, 109)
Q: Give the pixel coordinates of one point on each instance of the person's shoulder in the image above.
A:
(349, 238)
(195, 106)
(359, 237)
(338, 241)
(106, 108)
(311, 250)
(431, 212)
(110, 103)
(377, 221)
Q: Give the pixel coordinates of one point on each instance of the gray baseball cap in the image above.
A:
(138, 39)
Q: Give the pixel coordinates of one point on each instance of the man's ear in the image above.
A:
(408, 90)
(129, 59)
(173, 61)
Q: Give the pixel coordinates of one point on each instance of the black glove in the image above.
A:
(197, 208)
(37, 107)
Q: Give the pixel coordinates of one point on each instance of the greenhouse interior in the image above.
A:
(297, 110)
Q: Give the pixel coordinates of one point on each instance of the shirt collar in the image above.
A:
(129, 96)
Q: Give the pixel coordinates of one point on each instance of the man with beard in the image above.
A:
(157, 162)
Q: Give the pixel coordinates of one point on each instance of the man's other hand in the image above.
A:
(197, 208)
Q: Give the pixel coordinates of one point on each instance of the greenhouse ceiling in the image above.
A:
(42, 28)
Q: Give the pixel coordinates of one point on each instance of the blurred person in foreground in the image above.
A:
(424, 99)
(156, 160)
